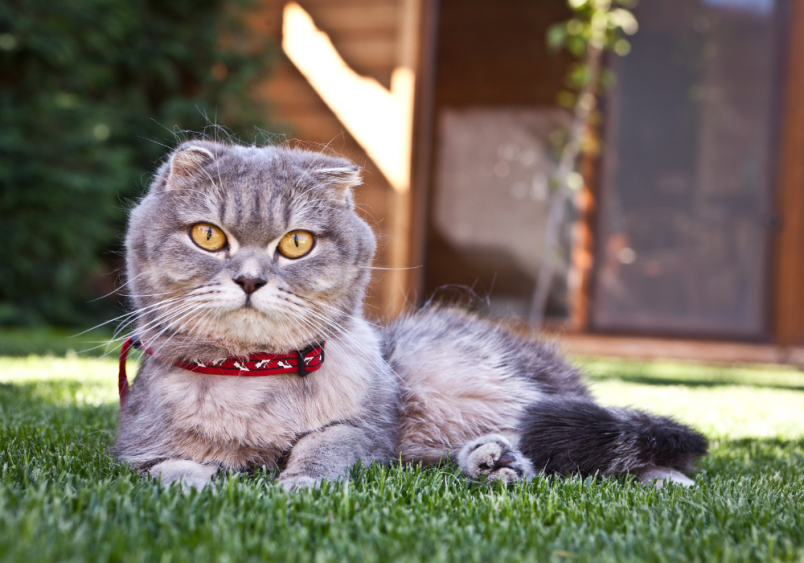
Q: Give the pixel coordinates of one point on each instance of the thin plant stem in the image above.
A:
(563, 193)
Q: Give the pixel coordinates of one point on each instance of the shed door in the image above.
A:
(686, 197)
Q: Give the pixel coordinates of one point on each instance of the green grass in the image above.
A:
(53, 341)
(63, 498)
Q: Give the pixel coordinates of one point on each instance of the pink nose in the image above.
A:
(250, 285)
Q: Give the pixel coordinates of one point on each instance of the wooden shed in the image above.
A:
(691, 226)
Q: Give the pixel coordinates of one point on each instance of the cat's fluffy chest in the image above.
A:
(230, 420)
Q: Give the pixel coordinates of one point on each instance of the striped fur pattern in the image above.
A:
(434, 385)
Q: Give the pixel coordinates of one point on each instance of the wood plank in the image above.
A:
(355, 18)
(290, 91)
(789, 298)
(312, 4)
(671, 349)
(423, 141)
(494, 53)
(327, 4)
(332, 16)
(376, 53)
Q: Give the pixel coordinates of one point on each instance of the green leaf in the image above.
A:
(556, 36)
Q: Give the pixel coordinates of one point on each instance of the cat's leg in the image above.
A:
(493, 457)
(330, 452)
(191, 474)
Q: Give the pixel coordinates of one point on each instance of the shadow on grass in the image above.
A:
(660, 380)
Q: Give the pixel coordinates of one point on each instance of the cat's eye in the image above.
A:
(209, 237)
(296, 244)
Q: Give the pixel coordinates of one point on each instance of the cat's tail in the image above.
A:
(570, 436)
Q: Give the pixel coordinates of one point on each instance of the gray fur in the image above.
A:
(190, 474)
(494, 458)
(438, 383)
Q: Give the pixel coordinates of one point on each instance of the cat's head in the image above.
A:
(241, 249)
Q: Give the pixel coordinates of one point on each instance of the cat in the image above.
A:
(241, 256)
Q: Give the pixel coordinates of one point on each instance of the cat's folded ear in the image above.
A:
(340, 181)
(188, 161)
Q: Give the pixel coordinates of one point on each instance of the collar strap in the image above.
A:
(261, 364)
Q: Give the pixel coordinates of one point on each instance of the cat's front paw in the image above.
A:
(494, 458)
(297, 482)
(190, 474)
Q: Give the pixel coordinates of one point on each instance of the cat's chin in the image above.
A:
(238, 332)
(265, 327)
(249, 330)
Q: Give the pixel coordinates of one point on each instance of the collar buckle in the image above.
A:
(301, 368)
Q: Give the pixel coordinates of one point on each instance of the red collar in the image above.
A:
(261, 364)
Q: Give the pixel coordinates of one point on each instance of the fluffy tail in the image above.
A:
(567, 435)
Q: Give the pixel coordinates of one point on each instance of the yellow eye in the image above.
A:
(209, 237)
(296, 244)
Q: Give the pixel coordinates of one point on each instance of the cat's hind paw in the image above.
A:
(493, 458)
(661, 476)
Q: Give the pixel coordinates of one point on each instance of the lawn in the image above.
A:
(63, 498)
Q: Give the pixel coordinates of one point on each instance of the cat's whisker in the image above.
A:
(168, 315)
(336, 311)
(111, 344)
(164, 317)
(331, 337)
(389, 269)
(298, 322)
(170, 325)
(138, 314)
(327, 322)
(148, 294)
(178, 321)
(135, 315)
(115, 290)
(132, 313)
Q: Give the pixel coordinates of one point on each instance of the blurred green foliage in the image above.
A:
(91, 92)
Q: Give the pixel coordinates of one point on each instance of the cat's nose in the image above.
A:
(250, 285)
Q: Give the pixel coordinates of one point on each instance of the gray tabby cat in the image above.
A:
(237, 250)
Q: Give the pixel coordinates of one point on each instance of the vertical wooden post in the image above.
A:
(421, 165)
(399, 204)
(406, 234)
(789, 287)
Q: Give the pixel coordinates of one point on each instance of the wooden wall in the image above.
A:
(789, 287)
(495, 53)
(366, 33)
